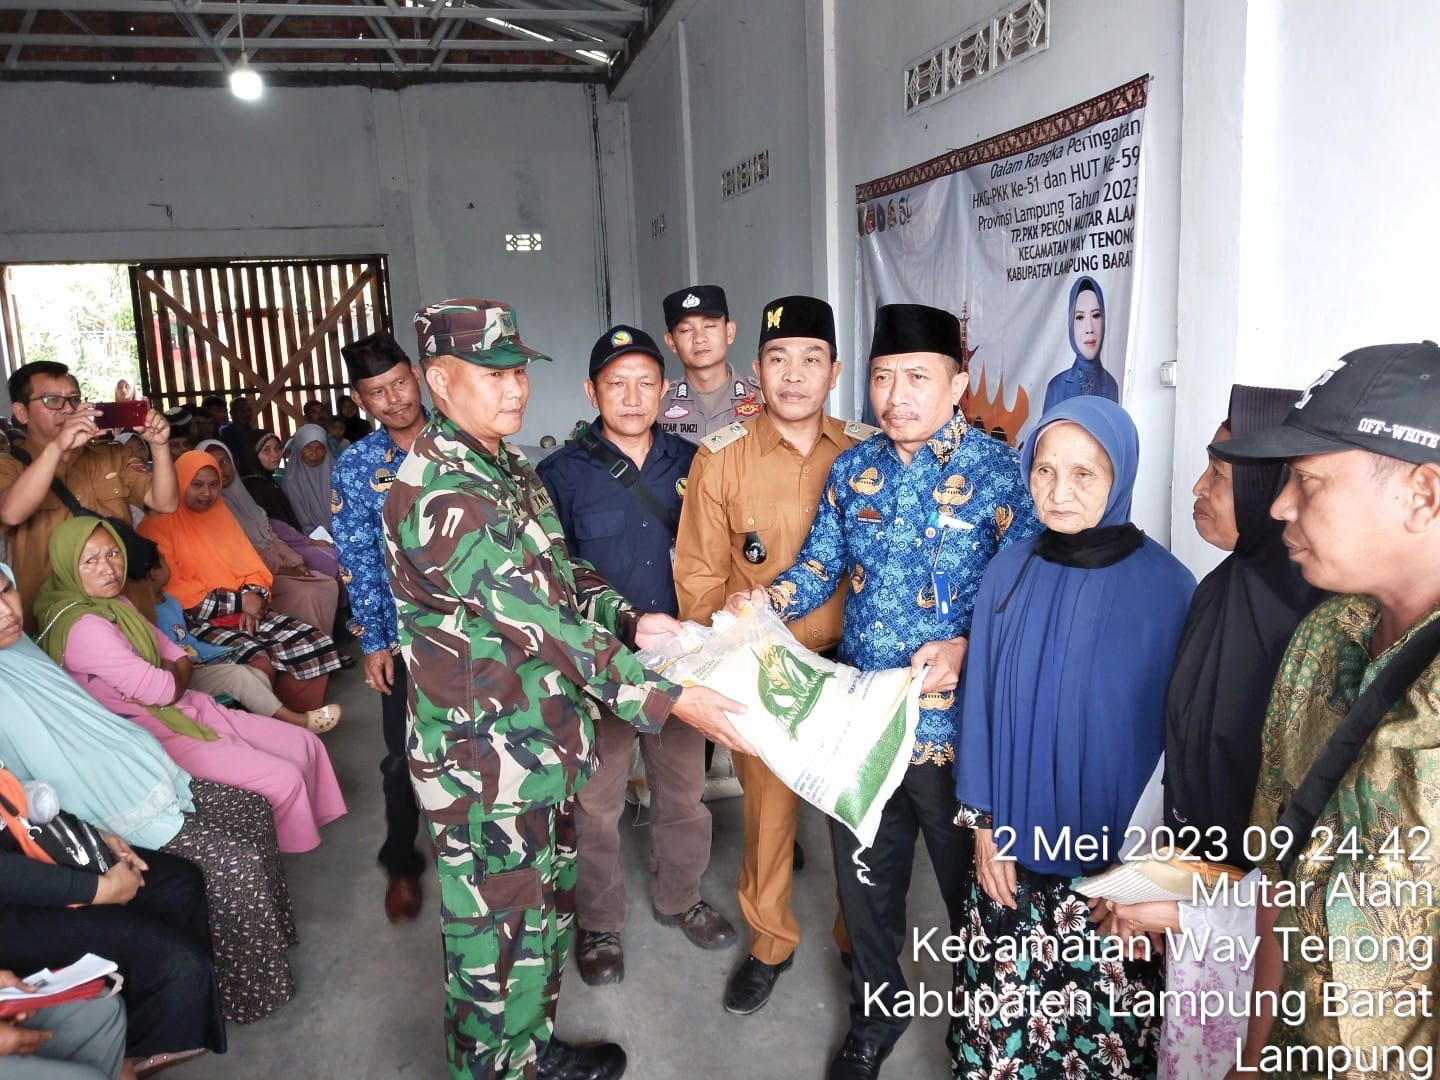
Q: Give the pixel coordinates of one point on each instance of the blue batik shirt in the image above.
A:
(609, 527)
(359, 483)
(900, 531)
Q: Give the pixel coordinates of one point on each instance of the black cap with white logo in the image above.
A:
(1382, 398)
(695, 300)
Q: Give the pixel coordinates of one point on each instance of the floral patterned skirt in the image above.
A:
(1039, 991)
(231, 838)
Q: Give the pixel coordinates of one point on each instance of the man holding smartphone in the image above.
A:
(59, 427)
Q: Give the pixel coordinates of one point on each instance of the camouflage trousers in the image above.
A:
(507, 899)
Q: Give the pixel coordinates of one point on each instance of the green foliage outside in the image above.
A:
(80, 315)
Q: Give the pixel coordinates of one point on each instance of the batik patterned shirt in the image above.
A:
(900, 531)
(359, 483)
(1370, 874)
(512, 648)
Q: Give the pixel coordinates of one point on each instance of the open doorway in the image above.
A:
(78, 314)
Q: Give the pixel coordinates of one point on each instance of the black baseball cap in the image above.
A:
(798, 317)
(622, 340)
(1382, 398)
(695, 300)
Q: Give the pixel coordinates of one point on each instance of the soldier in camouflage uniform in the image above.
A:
(512, 650)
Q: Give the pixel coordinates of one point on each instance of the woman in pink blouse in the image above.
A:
(133, 670)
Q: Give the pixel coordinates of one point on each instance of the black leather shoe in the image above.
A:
(703, 925)
(752, 983)
(857, 1060)
(562, 1061)
(600, 956)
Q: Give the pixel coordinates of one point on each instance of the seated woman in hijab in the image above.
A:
(225, 588)
(1061, 727)
(147, 913)
(309, 595)
(1241, 618)
(257, 472)
(112, 773)
(307, 478)
(257, 467)
(127, 665)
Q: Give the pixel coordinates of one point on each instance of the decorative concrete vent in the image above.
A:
(522, 241)
(741, 177)
(1010, 35)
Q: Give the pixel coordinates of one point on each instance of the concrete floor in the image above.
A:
(370, 995)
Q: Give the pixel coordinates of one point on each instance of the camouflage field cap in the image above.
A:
(482, 332)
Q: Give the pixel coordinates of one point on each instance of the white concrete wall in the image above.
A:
(738, 68)
(432, 177)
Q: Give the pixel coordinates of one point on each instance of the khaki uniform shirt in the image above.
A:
(756, 487)
(683, 413)
(102, 478)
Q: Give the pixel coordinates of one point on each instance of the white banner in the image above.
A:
(1030, 238)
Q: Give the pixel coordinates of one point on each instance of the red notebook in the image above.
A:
(33, 1002)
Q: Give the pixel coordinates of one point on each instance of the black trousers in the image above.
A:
(873, 883)
(398, 855)
(161, 942)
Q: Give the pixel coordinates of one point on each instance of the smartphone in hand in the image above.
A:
(115, 415)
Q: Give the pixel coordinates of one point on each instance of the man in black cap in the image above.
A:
(383, 382)
(750, 501)
(913, 518)
(710, 394)
(1348, 760)
(617, 492)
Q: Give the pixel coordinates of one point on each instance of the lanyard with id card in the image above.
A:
(943, 523)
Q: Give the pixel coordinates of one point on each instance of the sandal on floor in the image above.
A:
(156, 1062)
(319, 721)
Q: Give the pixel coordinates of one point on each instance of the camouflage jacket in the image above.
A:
(513, 648)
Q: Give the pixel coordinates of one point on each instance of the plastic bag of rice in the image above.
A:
(839, 737)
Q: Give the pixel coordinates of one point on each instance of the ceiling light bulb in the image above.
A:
(245, 81)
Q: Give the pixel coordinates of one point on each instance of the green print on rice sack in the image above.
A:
(787, 687)
(852, 803)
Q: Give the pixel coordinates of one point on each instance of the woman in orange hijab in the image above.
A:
(225, 588)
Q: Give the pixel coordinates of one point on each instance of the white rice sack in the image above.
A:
(839, 737)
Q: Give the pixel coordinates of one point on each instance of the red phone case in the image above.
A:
(121, 414)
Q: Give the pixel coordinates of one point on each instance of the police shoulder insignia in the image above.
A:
(680, 486)
(718, 440)
(856, 430)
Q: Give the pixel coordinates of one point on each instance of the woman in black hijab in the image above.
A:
(1240, 621)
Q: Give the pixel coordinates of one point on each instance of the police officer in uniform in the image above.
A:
(513, 650)
(710, 394)
(749, 502)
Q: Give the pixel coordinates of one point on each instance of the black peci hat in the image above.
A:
(915, 328)
(798, 317)
(371, 356)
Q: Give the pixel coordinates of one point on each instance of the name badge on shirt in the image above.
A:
(940, 579)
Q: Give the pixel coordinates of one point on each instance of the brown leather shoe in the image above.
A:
(702, 924)
(402, 899)
(600, 955)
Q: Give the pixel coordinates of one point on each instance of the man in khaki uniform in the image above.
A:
(710, 394)
(59, 429)
(749, 502)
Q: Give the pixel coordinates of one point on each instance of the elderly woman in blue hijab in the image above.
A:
(1087, 375)
(1062, 726)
